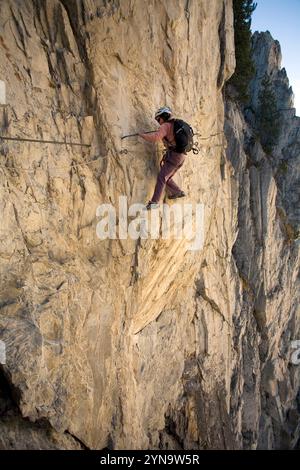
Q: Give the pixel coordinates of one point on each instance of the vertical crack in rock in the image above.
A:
(222, 39)
(187, 15)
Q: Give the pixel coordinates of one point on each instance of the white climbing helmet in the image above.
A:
(163, 110)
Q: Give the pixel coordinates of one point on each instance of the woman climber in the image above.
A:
(172, 159)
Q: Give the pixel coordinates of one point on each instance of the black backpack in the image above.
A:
(184, 136)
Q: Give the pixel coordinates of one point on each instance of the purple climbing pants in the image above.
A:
(170, 163)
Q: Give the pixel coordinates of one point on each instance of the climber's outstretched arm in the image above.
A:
(157, 135)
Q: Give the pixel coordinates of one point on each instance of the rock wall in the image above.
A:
(139, 343)
(267, 256)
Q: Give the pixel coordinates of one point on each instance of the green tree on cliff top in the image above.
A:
(242, 10)
(268, 122)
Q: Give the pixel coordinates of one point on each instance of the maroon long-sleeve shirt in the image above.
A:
(164, 133)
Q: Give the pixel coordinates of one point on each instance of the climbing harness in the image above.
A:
(195, 148)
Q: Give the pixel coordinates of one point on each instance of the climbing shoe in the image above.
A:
(175, 196)
(151, 205)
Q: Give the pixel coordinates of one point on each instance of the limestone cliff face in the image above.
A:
(140, 343)
(267, 257)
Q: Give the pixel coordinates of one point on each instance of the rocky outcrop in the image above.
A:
(139, 343)
(266, 253)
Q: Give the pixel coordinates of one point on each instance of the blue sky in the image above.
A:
(282, 19)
